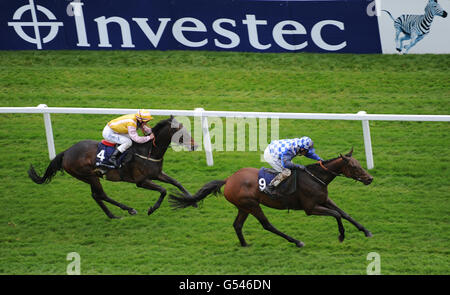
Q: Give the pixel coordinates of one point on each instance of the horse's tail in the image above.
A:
(389, 14)
(181, 201)
(54, 166)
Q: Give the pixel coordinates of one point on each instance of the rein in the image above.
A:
(328, 170)
(324, 168)
(315, 177)
(148, 158)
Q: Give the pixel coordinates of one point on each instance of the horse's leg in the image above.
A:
(238, 224)
(330, 204)
(130, 210)
(258, 213)
(99, 196)
(153, 186)
(167, 179)
(321, 210)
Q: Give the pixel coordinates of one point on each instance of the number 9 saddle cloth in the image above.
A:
(285, 188)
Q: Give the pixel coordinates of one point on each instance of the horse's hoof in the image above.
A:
(369, 234)
(341, 238)
(132, 211)
(150, 210)
(115, 217)
(299, 244)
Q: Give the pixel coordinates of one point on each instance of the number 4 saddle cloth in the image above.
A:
(285, 188)
(104, 152)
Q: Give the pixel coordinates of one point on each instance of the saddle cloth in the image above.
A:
(104, 152)
(265, 176)
(287, 187)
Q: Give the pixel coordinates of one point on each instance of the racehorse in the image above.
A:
(143, 165)
(311, 195)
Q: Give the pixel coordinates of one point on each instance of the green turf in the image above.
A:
(406, 207)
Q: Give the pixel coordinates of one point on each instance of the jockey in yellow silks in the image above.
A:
(123, 131)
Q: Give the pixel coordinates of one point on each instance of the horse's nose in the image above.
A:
(369, 181)
(444, 15)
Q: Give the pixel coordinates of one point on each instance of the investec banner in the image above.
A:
(345, 26)
(233, 25)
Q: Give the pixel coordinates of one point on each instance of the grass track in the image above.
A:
(406, 207)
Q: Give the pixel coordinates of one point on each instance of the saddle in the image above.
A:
(104, 152)
(285, 188)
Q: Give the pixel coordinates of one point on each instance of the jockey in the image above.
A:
(123, 130)
(279, 154)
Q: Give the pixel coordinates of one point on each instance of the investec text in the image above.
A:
(190, 24)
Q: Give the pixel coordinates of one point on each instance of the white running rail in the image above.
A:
(200, 112)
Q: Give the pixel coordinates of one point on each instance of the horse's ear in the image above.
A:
(349, 153)
(345, 158)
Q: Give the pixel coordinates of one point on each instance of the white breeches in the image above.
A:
(275, 163)
(123, 140)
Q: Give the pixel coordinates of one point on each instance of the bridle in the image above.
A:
(336, 174)
(341, 174)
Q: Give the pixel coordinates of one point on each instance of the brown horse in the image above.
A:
(311, 195)
(144, 165)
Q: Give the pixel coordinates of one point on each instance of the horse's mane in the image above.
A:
(161, 124)
(156, 129)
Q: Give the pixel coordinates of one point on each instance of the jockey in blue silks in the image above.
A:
(279, 154)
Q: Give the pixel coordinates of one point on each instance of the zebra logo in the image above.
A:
(415, 27)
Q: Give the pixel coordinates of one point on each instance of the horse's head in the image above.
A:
(352, 169)
(170, 130)
(181, 135)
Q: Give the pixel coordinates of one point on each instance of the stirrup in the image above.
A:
(114, 158)
(114, 163)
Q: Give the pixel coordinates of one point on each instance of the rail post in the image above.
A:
(206, 136)
(48, 132)
(367, 141)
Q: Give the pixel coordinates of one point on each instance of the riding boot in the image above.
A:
(285, 173)
(113, 158)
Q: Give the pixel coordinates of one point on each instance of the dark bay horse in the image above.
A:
(144, 166)
(311, 195)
